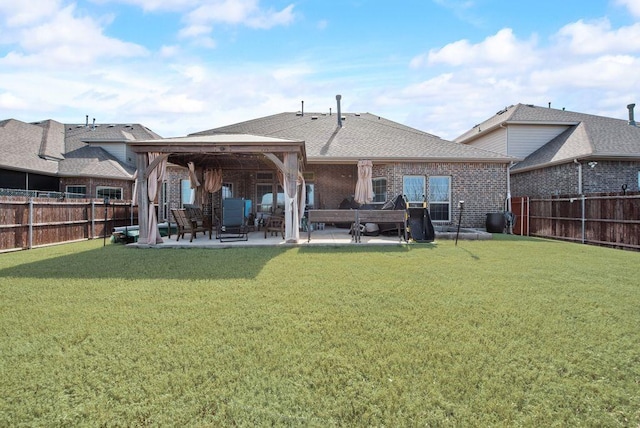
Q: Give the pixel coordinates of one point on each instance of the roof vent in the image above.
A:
(357, 114)
(298, 113)
(632, 121)
(314, 117)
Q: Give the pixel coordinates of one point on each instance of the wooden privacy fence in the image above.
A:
(34, 222)
(611, 219)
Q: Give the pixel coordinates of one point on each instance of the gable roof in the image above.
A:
(362, 135)
(52, 148)
(587, 135)
(20, 148)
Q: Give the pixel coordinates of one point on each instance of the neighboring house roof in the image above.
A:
(52, 148)
(94, 162)
(77, 135)
(20, 148)
(587, 136)
(362, 136)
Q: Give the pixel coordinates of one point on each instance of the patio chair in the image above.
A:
(194, 213)
(274, 225)
(233, 225)
(185, 225)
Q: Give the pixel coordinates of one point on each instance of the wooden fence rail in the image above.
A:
(602, 219)
(34, 222)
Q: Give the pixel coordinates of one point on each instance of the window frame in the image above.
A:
(414, 202)
(438, 200)
(76, 194)
(376, 195)
(111, 189)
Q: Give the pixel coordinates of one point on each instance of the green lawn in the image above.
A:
(507, 332)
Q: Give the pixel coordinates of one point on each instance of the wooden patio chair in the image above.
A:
(274, 225)
(185, 225)
(195, 214)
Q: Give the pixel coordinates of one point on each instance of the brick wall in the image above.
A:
(93, 183)
(333, 184)
(606, 176)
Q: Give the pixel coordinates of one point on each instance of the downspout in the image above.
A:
(582, 207)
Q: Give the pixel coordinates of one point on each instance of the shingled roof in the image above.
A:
(362, 135)
(587, 136)
(52, 148)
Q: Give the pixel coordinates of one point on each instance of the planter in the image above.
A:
(495, 222)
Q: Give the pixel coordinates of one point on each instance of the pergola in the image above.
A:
(217, 152)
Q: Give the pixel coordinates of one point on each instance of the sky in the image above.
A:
(441, 66)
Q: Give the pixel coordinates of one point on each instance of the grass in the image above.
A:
(508, 332)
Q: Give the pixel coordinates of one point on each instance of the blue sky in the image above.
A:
(181, 66)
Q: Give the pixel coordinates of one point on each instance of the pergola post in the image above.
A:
(143, 197)
(292, 232)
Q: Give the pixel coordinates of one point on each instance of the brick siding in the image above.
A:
(606, 176)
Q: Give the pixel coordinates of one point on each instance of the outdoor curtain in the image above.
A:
(156, 177)
(364, 185)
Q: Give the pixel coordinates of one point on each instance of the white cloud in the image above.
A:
(632, 5)
(65, 38)
(597, 37)
(10, 101)
(21, 13)
(239, 12)
(499, 49)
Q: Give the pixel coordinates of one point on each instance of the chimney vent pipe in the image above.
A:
(338, 98)
(87, 122)
(303, 108)
(632, 121)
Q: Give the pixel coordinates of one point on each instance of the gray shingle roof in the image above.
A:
(93, 162)
(587, 136)
(362, 136)
(20, 145)
(53, 148)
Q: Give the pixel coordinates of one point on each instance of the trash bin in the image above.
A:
(495, 222)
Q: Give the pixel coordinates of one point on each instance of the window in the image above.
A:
(413, 188)
(77, 191)
(440, 198)
(310, 190)
(227, 190)
(379, 189)
(108, 192)
(187, 194)
(264, 197)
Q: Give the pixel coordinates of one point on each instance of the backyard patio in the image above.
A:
(329, 236)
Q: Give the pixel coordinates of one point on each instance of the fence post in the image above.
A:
(93, 219)
(30, 233)
(582, 208)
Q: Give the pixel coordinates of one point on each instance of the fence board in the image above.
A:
(602, 219)
(26, 223)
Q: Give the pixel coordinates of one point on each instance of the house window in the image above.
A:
(227, 190)
(187, 194)
(413, 188)
(76, 191)
(265, 199)
(440, 198)
(310, 190)
(379, 189)
(108, 192)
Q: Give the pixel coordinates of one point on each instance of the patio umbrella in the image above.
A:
(364, 185)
